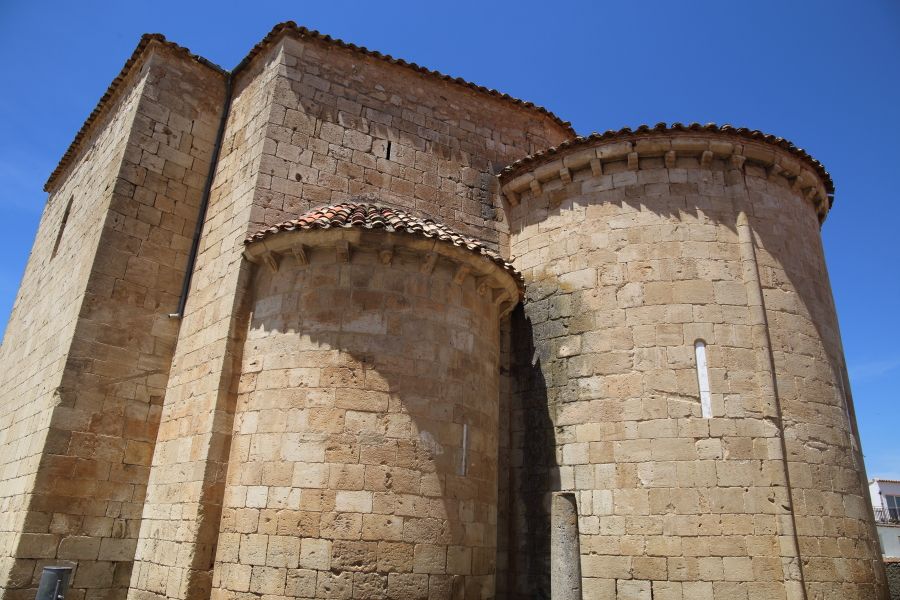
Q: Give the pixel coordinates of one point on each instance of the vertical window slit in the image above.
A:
(62, 226)
(703, 379)
(387, 153)
(464, 454)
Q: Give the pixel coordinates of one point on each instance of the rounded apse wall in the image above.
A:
(740, 478)
(364, 454)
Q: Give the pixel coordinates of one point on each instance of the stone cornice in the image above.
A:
(491, 281)
(736, 146)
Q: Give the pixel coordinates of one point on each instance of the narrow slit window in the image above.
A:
(62, 226)
(464, 452)
(703, 379)
(387, 152)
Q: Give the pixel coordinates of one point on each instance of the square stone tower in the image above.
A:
(100, 377)
(89, 345)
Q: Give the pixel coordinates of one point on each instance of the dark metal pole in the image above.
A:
(54, 583)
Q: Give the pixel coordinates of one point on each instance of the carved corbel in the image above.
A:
(271, 260)
(386, 254)
(428, 265)
(633, 161)
(461, 274)
(343, 251)
(670, 158)
(481, 286)
(299, 252)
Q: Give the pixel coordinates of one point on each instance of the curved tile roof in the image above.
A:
(742, 132)
(372, 216)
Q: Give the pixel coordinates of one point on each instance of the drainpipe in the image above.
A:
(204, 200)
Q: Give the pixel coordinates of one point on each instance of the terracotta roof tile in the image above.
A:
(112, 91)
(372, 216)
(742, 132)
(290, 27)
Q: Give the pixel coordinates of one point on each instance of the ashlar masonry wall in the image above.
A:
(364, 458)
(135, 194)
(346, 125)
(308, 123)
(634, 249)
(37, 341)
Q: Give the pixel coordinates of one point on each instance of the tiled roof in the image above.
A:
(627, 132)
(113, 89)
(288, 27)
(302, 32)
(373, 216)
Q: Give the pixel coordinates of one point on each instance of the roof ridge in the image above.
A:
(292, 27)
(743, 132)
(111, 93)
(286, 27)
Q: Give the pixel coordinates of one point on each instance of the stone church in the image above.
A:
(334, 325)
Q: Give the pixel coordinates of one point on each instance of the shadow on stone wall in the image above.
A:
(537, 475)
(794, 246)
(415, 363)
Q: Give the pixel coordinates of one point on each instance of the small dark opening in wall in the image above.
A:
(62, 226)
(298, 177)
(387, 153)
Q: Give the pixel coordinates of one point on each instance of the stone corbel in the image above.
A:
(461, 274)
(299, 252)
(481, 286)
(428, 265)
(386, 254)
(633, 161)
(670, 158)
(271, 260)
(343, 251)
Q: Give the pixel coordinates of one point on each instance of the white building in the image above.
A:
(886, 502)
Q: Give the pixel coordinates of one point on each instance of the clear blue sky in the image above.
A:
(824, 74)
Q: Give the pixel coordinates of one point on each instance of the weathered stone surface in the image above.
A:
(606, 399)
(347, 421)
